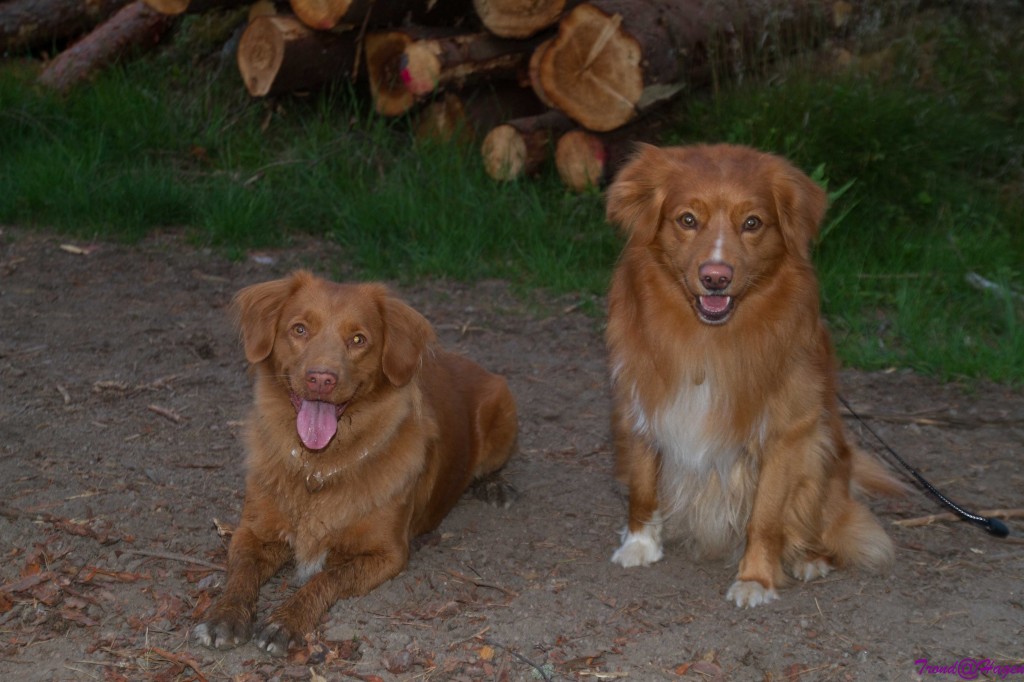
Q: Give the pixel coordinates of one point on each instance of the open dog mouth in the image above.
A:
(316, 421)
(715, 309)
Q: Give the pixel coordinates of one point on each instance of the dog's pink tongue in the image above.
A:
(317, 423)
(714, 304)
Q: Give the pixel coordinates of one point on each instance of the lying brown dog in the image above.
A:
(364, 434)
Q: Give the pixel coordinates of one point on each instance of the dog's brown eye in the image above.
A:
(751, 223)
(299, 329)
(358, 340)
(687, 220)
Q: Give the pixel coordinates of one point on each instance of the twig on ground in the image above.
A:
(949, 516)
(937, 420)
(183, 659)
(472, 581)
(478, 635)
(983, 284)
(166, 413)
(171, 556)
(541, 670)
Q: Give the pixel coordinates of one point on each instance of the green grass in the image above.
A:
(927, 140)
(125, 157)
(920, 141)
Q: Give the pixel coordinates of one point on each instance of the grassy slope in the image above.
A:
(924, 133)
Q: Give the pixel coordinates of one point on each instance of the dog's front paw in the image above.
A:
(274, 638)
(750, 593)
(638, 549)
(223, 632)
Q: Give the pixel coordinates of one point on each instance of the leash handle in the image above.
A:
(991, 524)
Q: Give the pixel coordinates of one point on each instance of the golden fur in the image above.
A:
(724, 386)
(414, 425)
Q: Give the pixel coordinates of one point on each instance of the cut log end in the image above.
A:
(504, 153)
(518, 18)
(321, 15)
(443, 119)
(260, 54)
(278, 54)
(534, 73)
(581, 159)
(420, 69)
(522, 145)
(599, 86)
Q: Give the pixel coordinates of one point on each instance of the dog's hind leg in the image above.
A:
(495, 432)
(495, 426)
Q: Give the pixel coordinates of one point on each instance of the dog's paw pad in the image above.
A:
(811, 569)
(750, 593)
(638, 549)
(495, 491)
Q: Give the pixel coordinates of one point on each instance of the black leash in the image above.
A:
(990, 524)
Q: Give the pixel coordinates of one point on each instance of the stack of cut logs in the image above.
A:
(529, 77)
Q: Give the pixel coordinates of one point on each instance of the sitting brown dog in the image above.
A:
(364, 434)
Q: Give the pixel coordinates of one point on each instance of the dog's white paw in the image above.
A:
(750, 593)
(220, 634)
(201, 633)
(639, 549)
(809, 570)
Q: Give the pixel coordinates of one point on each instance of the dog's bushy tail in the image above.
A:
(870, 477)
(857, 538)
(853, 536)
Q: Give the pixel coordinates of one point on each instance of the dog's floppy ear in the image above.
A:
(801, 205)
(257, 309)
(406, 335)
(636, 195)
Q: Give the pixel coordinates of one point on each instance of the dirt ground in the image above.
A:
(123, 390)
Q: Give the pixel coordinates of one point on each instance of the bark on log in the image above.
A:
(614, 58)
(31, 24)
(176, 7)
(384, 50)
(280, 54)
(267, 8)
(409, 63)
(469, 115)
(326, 14)
(134, 26)
(520, 18)
(427, 65)
(521, 146)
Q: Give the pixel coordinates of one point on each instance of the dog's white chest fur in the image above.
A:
(706, 477)
(683, 430)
